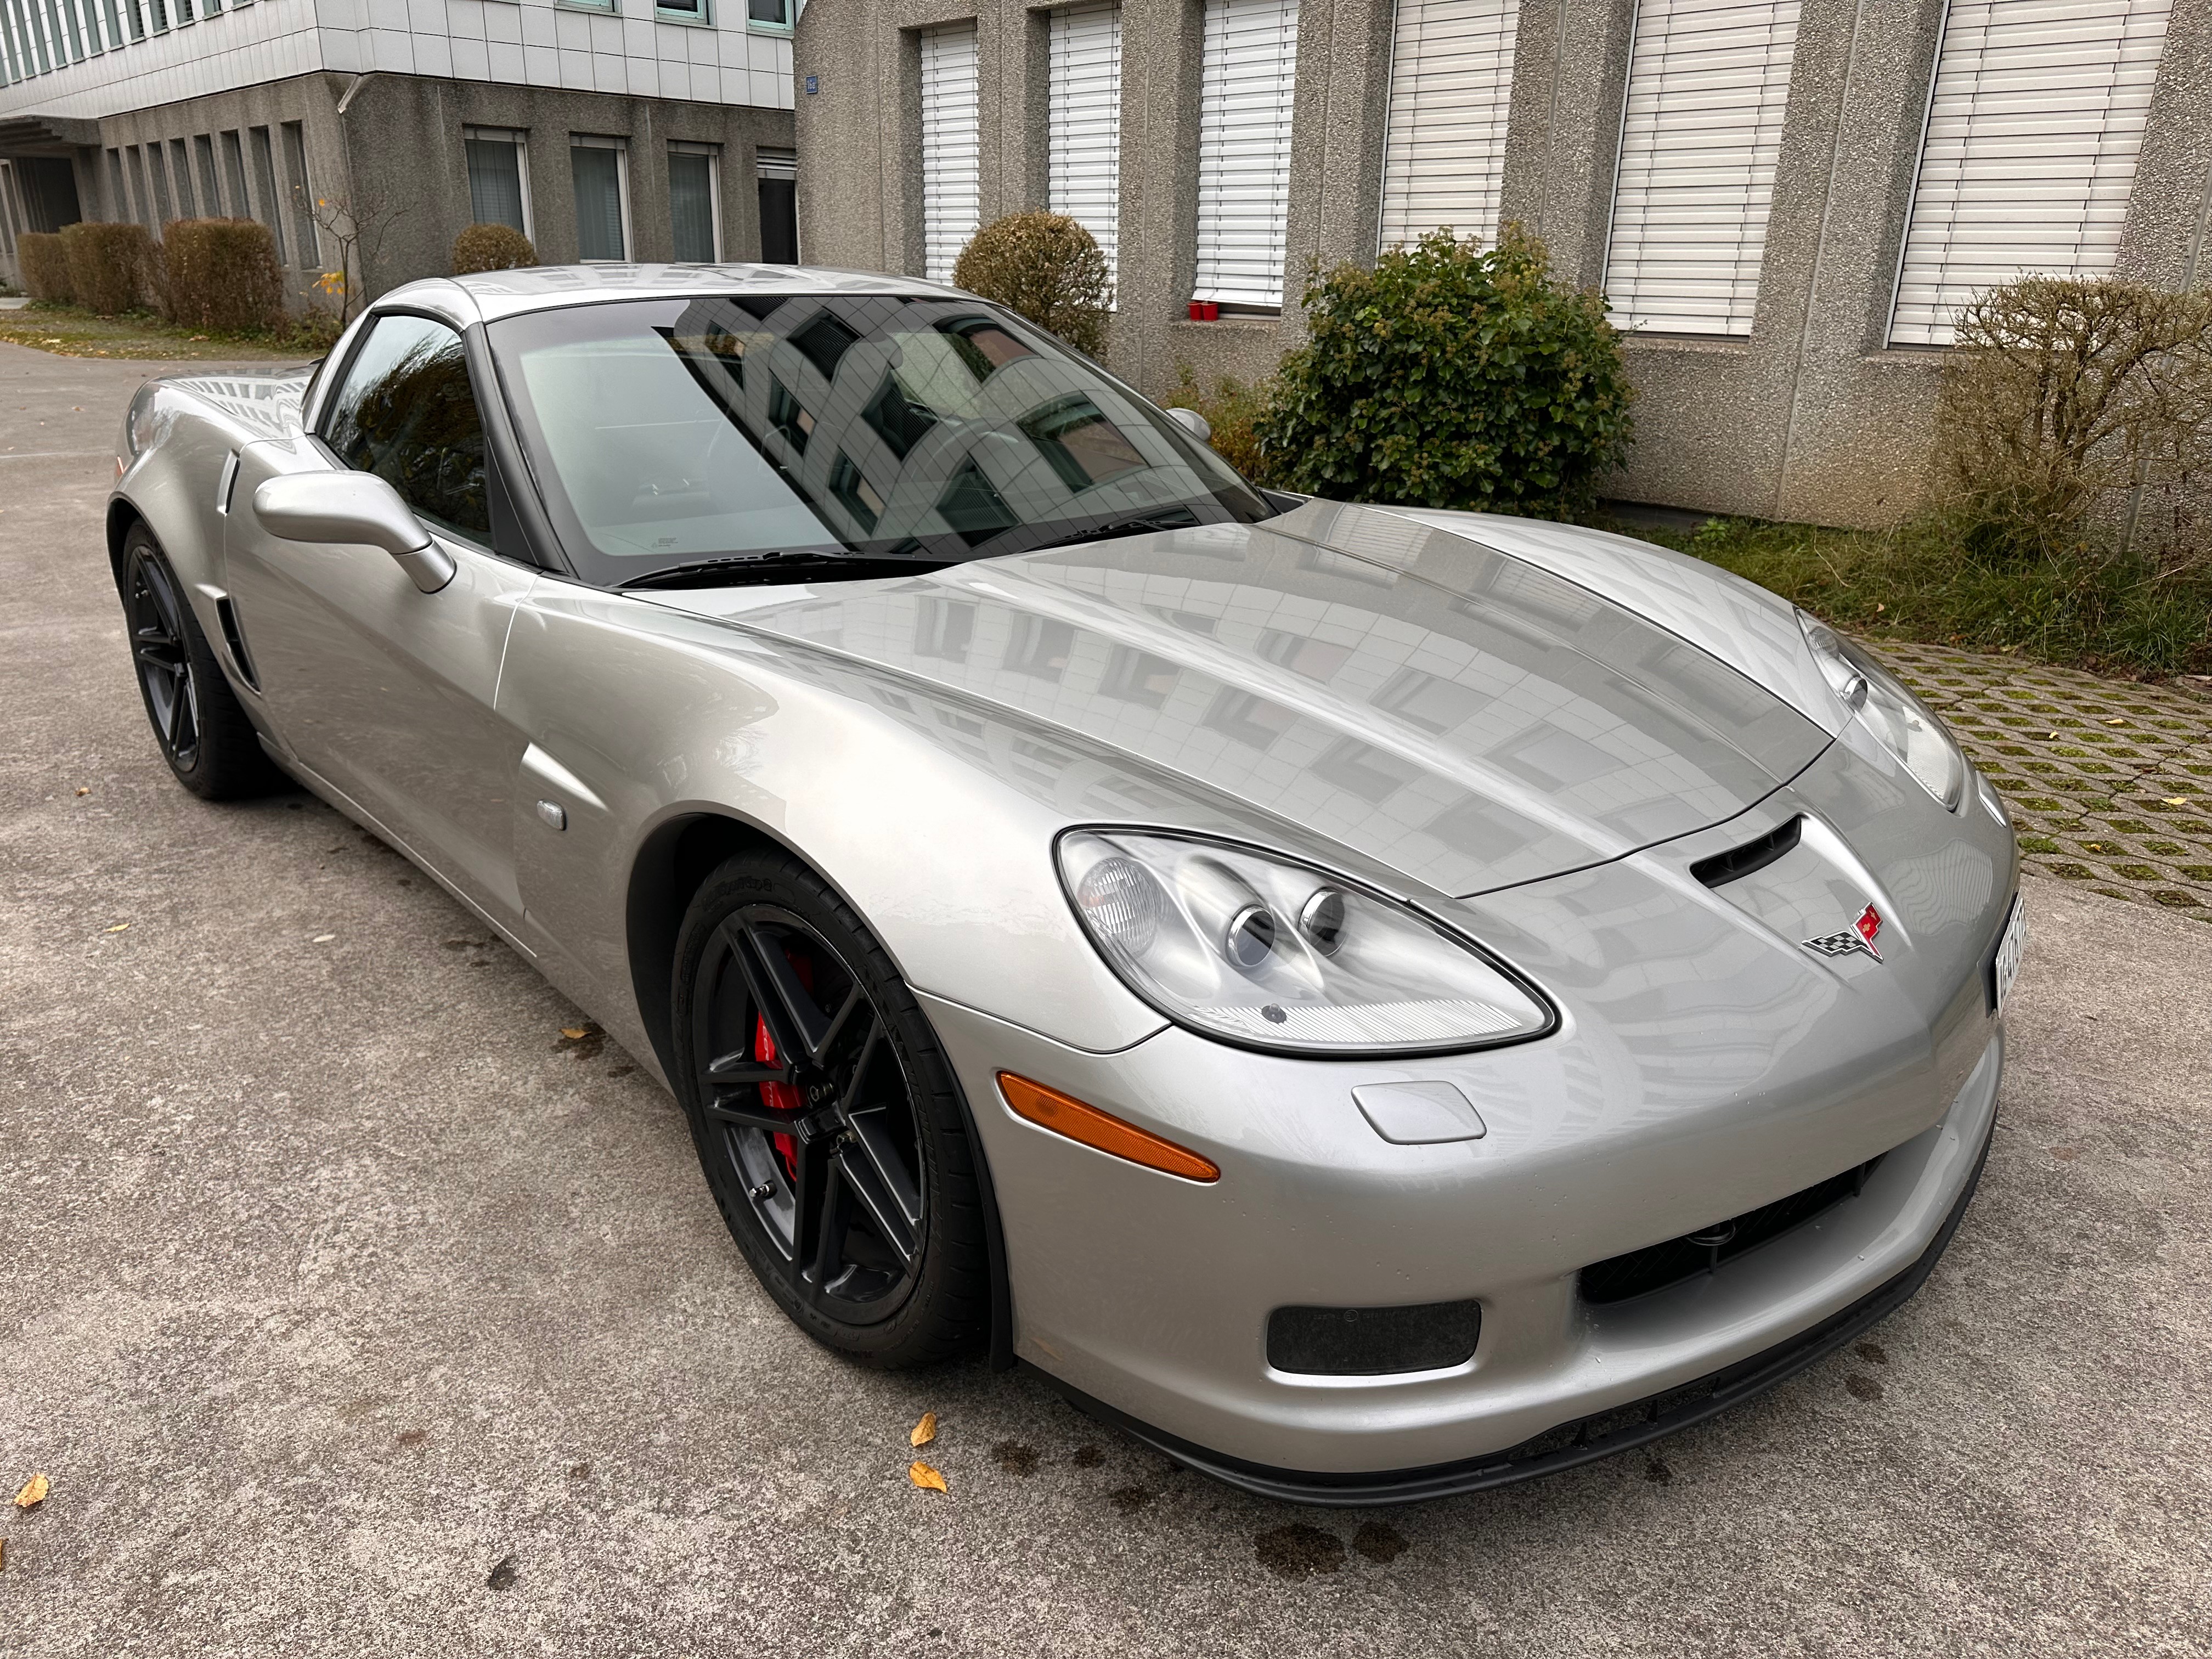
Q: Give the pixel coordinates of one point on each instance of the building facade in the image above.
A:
(367, 134)
(1783, 200)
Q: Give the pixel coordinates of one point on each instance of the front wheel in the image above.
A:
(827, 1118)
(205, 736)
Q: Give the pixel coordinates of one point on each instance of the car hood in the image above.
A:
(1448, 711)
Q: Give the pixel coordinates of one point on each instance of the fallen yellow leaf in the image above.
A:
(34, 1492)
(924, 1431)
(118, 927)
(575, 1033)
(84, 791)
(924, 1477)
(2116, 722)
(2177, 800)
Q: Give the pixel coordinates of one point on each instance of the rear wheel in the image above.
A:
(204, 734)
(826, 1117)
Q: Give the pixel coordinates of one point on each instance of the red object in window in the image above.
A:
(1204, 311)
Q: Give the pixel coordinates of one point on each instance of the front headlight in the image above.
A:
(1261, 951)
(1898, 720)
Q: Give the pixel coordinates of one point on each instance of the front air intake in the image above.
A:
(1657, 1265)
(1373, 1341)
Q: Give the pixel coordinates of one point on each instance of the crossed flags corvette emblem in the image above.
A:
(1859, 936)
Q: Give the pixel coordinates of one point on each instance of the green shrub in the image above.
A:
(222, 275)
(1047, 268)
(111, 266)
(2074, 423)
(491, 247)
(1231, 408)
(45, 266)
(1450, 377)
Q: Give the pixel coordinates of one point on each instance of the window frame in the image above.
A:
(619, 144)
(699, 16)
(791, 8)
(519, 138)
(713, 154)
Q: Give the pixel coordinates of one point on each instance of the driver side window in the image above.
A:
(406, 413)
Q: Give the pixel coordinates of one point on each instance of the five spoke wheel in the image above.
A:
(154, 610)
(809, 1115)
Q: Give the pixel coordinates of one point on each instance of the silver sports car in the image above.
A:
(1379, 1003)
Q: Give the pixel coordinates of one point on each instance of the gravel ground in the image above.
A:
(352, 1309)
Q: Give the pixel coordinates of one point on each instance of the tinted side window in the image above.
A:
(405, 412)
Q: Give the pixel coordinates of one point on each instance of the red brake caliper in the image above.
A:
(778, 1098)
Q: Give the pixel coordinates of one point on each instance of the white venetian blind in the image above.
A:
(2032, 131)
(1451, 82)
(1708, 91)
(1246, 82)
(951, 147)
(1083, 146)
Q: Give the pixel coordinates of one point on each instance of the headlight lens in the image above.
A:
(1277, 955)
(1899, 721)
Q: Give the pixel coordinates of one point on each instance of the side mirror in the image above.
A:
(1193, 422)
(352, 506)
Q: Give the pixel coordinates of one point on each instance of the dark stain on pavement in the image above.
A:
(1298, 1551)
(1863, 1387)
(1014, 1458)
(1089, 1457)
(1872, 1353)
(503, 1573)
(1379, 1542)
(1658, 1474)
(1130, 1499)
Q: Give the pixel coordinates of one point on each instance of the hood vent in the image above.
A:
(1739, 861)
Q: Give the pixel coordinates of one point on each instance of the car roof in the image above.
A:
(488, 295)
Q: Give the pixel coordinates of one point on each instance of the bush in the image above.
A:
(1453, 377)
(222, 275)
(111, 266)
(45, 266)
(1231, 408)
(491, 247)
(2068, 408)
(1047, 268)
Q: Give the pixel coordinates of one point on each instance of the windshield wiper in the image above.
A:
(1177, 517)
(777, 567)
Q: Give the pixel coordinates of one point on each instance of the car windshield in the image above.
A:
(827, 427)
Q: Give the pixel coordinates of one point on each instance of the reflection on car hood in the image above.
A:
(1455, 714)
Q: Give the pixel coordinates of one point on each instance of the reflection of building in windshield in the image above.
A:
(903, 423)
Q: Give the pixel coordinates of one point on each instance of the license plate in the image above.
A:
(2011, 946)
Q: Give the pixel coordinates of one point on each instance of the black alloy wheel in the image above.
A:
(826, 1118)
(158, 644)
(205, 732)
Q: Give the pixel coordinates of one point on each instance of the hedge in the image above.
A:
(222, 275)
(111, 267)
(45, 266)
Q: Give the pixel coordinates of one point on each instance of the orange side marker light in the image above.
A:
(1064, 1114)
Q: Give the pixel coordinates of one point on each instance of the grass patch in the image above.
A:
(69, 330)
(2109, 618)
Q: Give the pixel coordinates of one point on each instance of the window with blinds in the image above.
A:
(2034, 126)
(1708, 90)
(694, 210)
(498, 160)
(1451, 81)
(1084, 118)
(951, 147)
(1246, 80)
(596, 167)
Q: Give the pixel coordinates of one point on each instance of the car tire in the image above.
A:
(203, 731)
(850, 1184)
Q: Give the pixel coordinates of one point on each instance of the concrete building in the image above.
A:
(1783, 200)
(601, 129)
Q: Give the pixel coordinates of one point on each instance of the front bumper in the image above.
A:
(1706, 1065)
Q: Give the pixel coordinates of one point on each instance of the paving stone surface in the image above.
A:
(2110, 782)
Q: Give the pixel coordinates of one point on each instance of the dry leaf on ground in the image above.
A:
(924, 1431)
(33, 1492)
(575, 1033)
(118, 928)
(924, 1477)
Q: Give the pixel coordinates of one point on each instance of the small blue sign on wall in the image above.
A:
(813, 85)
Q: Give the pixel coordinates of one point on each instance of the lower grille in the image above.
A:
(1657, 1265)
(1373, 1341)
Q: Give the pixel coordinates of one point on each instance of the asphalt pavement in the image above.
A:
(350, 1308)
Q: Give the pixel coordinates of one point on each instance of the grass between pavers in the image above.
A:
(69, 330)
(2119, 618)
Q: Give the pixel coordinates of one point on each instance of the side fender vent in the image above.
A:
(1740, 861)
(233, 637)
